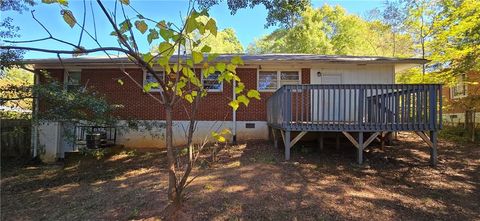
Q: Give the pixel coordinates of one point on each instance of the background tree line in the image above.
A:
(447, 32)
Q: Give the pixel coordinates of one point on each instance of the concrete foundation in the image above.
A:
(52, 144)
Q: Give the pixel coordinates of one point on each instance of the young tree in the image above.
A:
(178, 54)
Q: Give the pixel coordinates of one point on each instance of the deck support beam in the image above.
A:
(337, 142)
(360, 148)
(432, 143)
(383, 136)
(289, 143)
(360, 145)
(275, 138)
(433, 149)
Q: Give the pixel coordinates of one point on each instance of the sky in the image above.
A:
(248, 23)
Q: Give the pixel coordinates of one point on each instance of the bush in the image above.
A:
(458, 134)
(95, 153)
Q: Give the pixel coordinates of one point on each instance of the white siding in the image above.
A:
(345, 74)
(356, 74)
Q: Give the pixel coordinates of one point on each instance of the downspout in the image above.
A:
(234, 115)
(34, 139)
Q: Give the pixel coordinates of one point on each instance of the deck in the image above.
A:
(356, 109)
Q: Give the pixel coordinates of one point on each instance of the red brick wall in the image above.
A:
(471, 90)
(54, 74)
(139, 105)
(305, 75)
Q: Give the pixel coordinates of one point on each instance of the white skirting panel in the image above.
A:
(155, 137)
(49, 137)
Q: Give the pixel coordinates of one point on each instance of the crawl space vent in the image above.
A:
(249, 125)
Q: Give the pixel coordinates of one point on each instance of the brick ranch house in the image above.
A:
(467, 86)
(300, 93)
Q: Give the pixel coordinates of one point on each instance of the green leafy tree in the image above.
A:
(455, 49)
(15, 86)
(456, 43)
(58, 103)
(415, 76)
(225, 41)
(284, 13)
(419, 21)
(393, 16)
(382, 44)
(328, 30)
(8, 30)
(272, 43)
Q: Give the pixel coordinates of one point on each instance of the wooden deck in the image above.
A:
(356, 109)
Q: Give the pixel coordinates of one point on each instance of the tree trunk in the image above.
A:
(394, 44)
(172, 179)
(191, 129)
(470, 123)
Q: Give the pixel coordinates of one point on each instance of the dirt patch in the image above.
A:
(251, 181)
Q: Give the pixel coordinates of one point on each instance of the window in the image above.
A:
(289, 77)
(211, 82)
(149, 78)
(460, 89)
(267, 80)
(72, 79)
(272, 80)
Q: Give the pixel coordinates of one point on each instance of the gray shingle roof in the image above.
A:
(260, 58)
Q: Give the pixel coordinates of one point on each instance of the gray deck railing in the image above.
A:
(356, 107)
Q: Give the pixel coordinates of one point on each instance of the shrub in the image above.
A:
(458, 134)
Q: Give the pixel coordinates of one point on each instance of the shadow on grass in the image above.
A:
(396, 183)
(114, 187)
(251, 181)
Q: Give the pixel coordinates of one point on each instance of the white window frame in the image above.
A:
(66, 82)
(461, 82)
(212, 90)
(279, 76)
(145, 72)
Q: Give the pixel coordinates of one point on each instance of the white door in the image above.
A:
(326, 104)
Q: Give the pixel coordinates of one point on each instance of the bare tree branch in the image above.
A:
(50, 36)
(83, 23)
(135, 46)
(9, 47)
(131, 51)
(93, 19)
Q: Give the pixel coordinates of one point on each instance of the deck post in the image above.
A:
(337, 142)
(275, 138)
(360, 148)
(287, 145)
(382, 145)
(383, 136)
(320, 141)
(433, 148)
